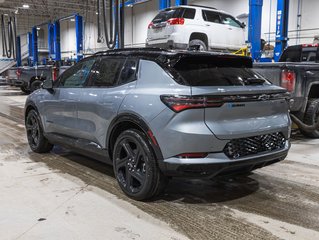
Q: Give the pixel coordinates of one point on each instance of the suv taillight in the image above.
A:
(288, 80)
(176, 21)
(181, 103)
(150, 25)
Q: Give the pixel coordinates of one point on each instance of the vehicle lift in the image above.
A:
(254, 29)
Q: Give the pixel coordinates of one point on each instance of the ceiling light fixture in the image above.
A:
(25, 6)
(72, 20)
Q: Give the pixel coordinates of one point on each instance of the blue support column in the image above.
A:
(51, 40)
(18, 55)
(30, 59)
(254, 30)
(57, 41)
(79, 37)
(180, 2)
(35, 46)
(281, 28)
(164, 4)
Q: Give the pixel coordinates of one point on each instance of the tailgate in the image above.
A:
(245, 112)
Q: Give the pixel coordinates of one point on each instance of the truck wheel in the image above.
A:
(311, 117)
(197, 42)
(135, 166)
(24, 89)
(35, 85)
(37, 142)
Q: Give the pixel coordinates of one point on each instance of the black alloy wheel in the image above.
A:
(37, 142)
(135, 166)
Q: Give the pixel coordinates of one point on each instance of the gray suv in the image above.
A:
(156, 114)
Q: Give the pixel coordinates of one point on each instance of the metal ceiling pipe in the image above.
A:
(111, 33)
(99, 37)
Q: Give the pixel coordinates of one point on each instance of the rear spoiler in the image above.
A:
(218, 60)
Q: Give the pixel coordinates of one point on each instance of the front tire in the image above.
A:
(135, 166)
(37, 142)
(312, 117)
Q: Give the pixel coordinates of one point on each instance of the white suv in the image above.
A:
(187, 26)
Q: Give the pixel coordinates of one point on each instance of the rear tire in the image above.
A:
(135, 166)
(37, 142)
(311, 117)
(200, 43)
(35, 85)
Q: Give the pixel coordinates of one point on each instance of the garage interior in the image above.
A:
(65, 195)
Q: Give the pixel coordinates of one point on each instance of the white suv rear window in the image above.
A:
(163, 16)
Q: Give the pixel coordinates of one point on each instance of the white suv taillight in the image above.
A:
(176, 21)
(288, 80)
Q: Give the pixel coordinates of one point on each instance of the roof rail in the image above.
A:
(194, 5)
(149, 49)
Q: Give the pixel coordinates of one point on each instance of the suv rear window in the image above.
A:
(163, 16)
(216, 71)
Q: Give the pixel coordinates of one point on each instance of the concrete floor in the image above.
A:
(62, 195)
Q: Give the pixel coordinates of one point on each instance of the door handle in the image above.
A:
(207, 24)
(230, 28)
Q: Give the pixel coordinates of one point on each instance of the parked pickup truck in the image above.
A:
(10, 75)
(30, 78)
(298, 72)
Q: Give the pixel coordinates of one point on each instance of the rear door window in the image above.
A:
(107, 72)
(210, 16)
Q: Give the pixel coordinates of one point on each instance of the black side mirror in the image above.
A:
(243, 24)
(47, 84)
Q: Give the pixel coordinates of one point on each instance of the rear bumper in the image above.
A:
(217, 164)
(169, 44)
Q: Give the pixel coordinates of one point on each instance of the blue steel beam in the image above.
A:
(50, 39)
(57, 41)
(30, 59)
(79, 37)
(254, 33)
(164, 4)
(180, 2)
(35, 46)
(18, 56)
(281, 28)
